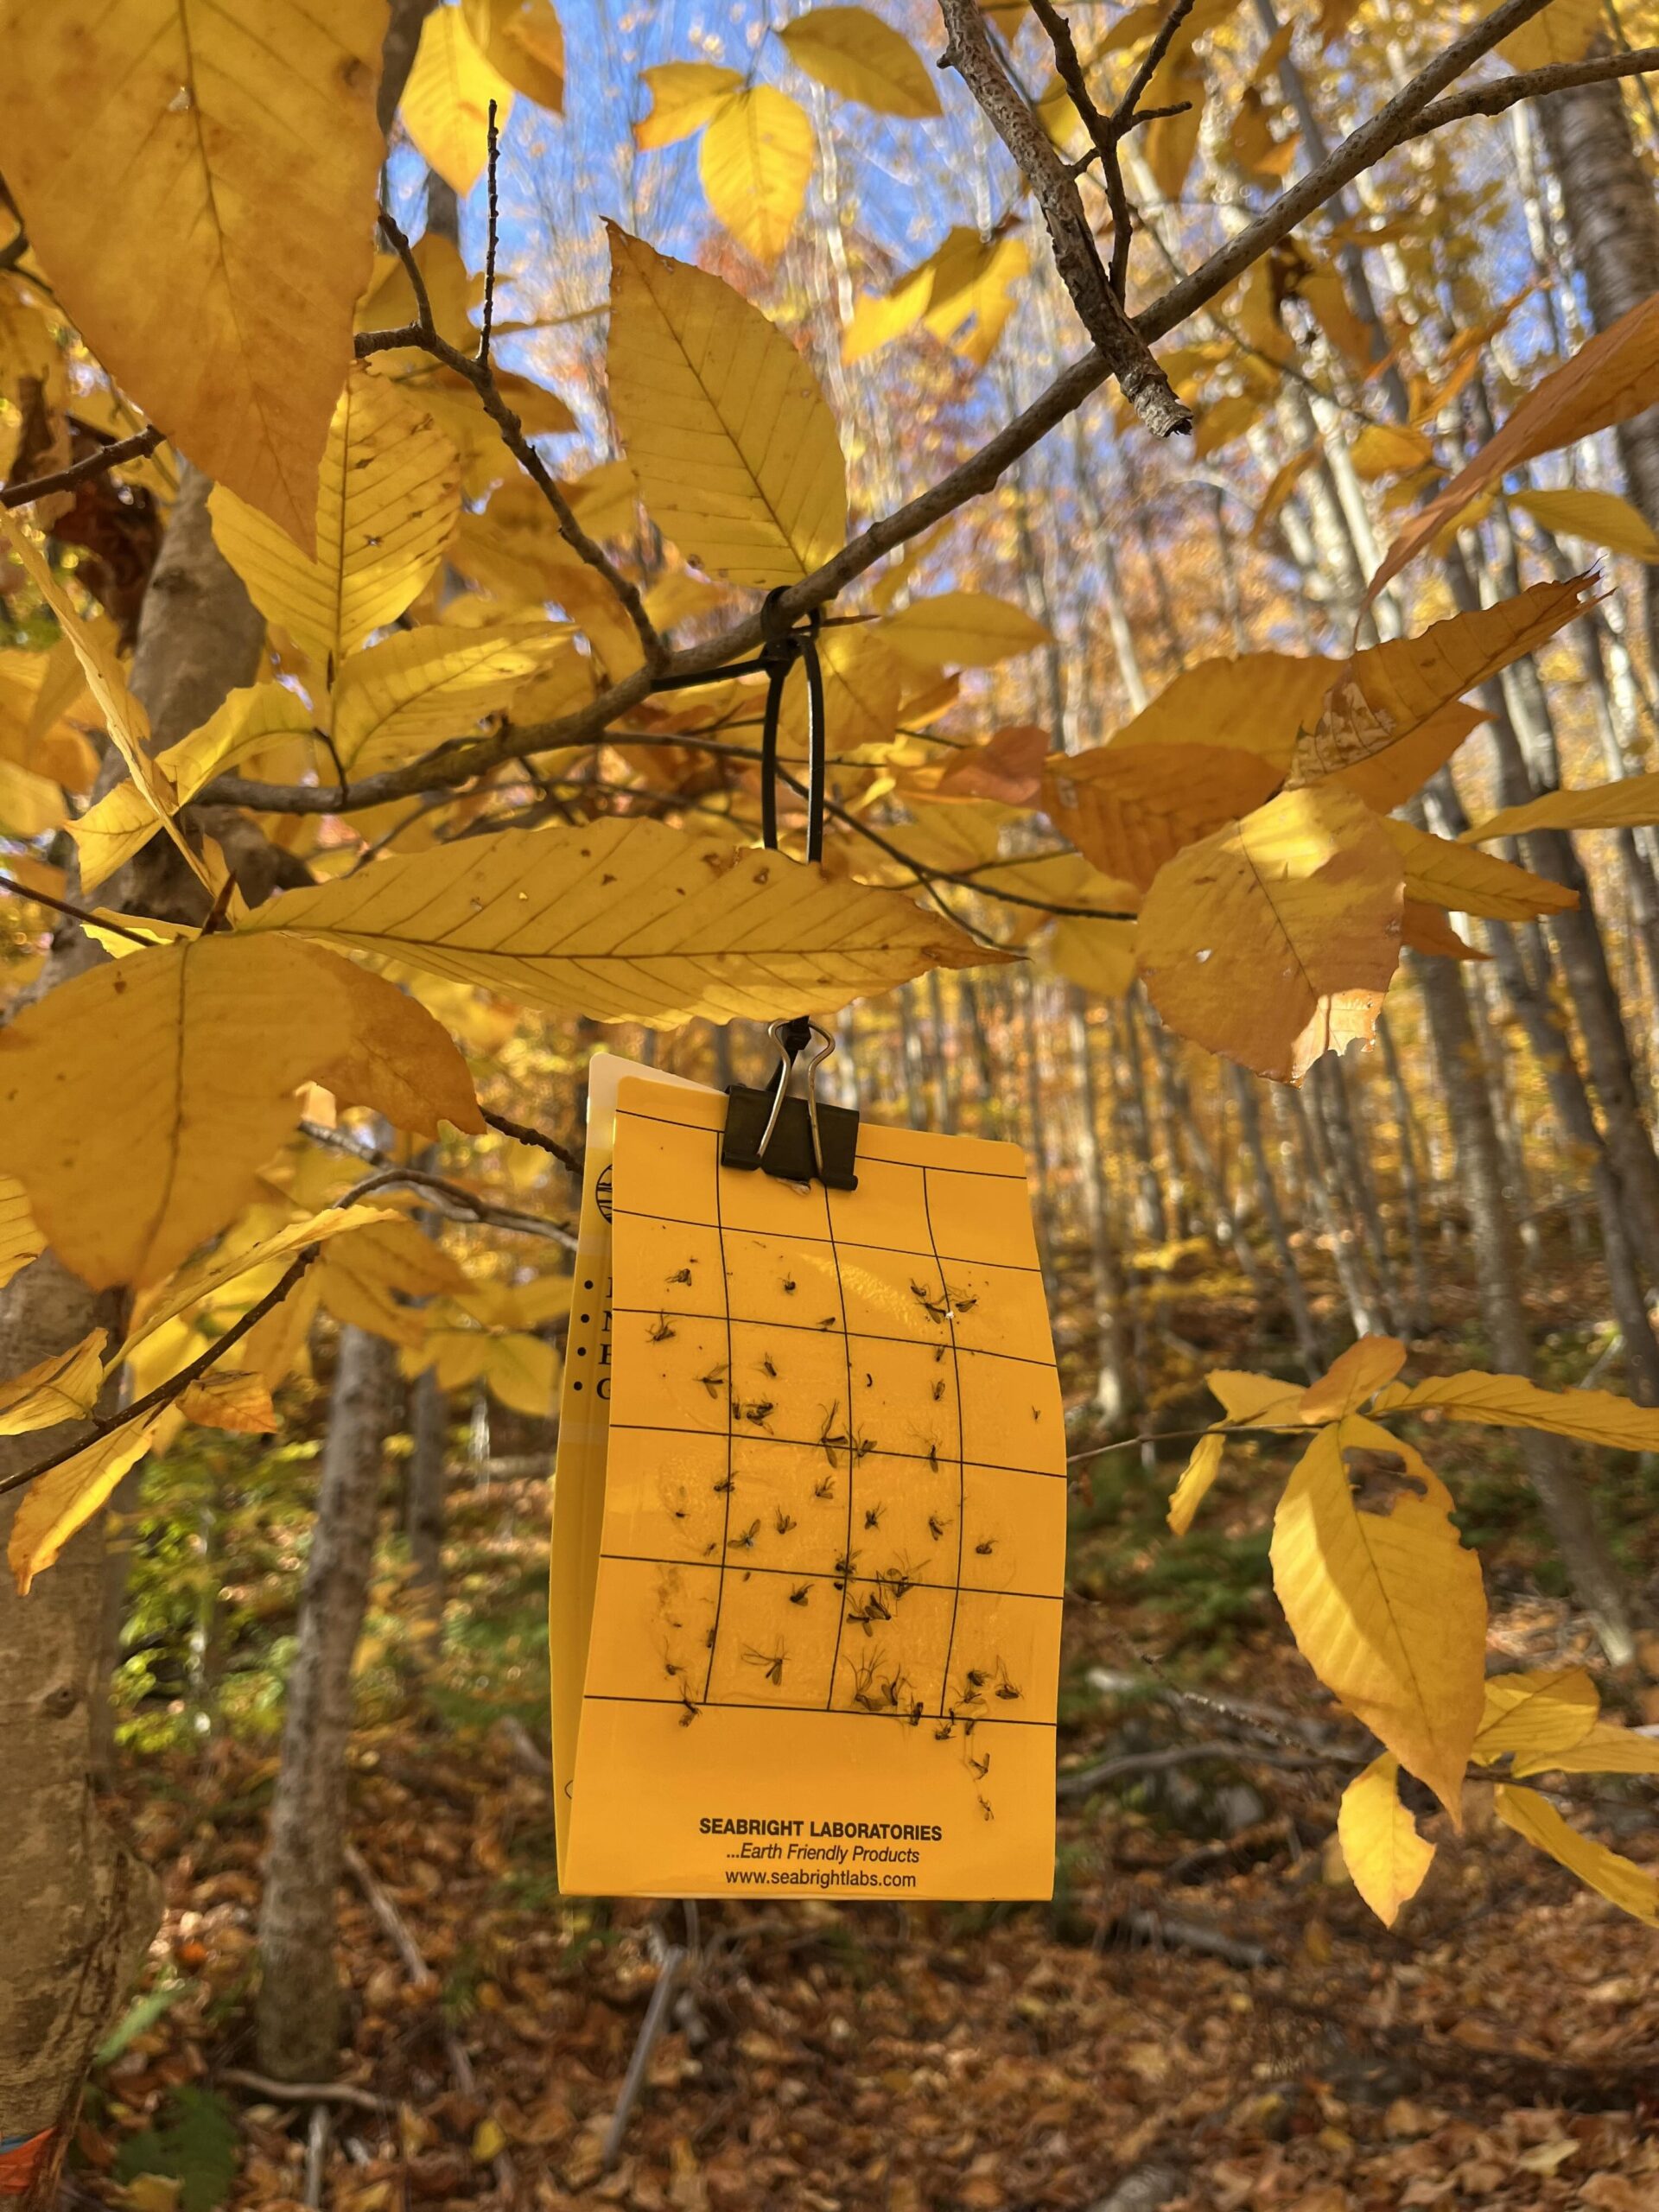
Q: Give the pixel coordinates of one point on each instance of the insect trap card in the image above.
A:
(809, 1543)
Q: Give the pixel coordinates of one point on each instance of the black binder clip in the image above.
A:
(794, 1138)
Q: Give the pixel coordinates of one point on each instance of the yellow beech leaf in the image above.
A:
(123, 822)
(1425, 929)
(854, 53)
(1131, 808)
(1381, 1847)
(1546, 1709)
(1275, 940)
(452, 290)
(523, 1371)
(1352, 1378)
(1197, 1476)
(684, 95)
(1561, 32)
(229, 1397)
(1254, 703)
(62, 1500)
(1614, 376)
(1604, 1748)
(360, 1279)
(1387, 778)
(388, 497)
(1389, 690)
(1255, 1398)
(1389, 449)
(63, 1387)
(1626, 804)
(1386, 1607)
(754, 161)
(522, 41)
(20, 1239)
(210, 235)
(460, 1356)
(30, 806)
(123, 717)
(237, 1257)
(1510, 1402)
(628, 920)
(1630, 1887)
(962, 295)
(1598, 517)
(863, 688)
(1467, 881)
(412, 691)
(1099, 956)
(446, 102)
(732, 442)
(963, 629)
(138, 1100)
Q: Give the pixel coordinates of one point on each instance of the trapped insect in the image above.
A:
(662, 1331)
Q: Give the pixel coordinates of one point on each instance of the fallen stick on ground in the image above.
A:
(398, 1929)
(651, 2027)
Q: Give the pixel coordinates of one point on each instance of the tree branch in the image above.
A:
(81, 472)
(475, 370)
(460, 761)
(101, 1424)
(1076, 257)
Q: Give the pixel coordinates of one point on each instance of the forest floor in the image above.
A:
(1206, 2000)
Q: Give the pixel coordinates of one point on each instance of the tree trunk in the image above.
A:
(1301, 1318)
(1607, 198)
(1112, 1358)
(1594, 1579)
(78, 1908)
(423, 1515)
(298, 2014)
(1420, 1318)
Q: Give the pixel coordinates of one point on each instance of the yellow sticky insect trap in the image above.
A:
(810, 1521)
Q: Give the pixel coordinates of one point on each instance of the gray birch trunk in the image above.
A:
(77, 1906)
(423, 1509)
(298, 2011)
(1295, 1291)
(1420, 1318)
(1613, 227)
(1112, 1358)
(1595, 1581)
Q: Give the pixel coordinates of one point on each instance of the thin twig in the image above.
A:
(969, 51)
(1162, 1931)
(1534, 84)
(489, 245)
(1162, 39)
(650, 2028)
(476, 371)
(522, 1132)
(175, 1385)
(408, 1951)
(81, 914)
(1088, 1779)
(81, 472)
(307, 2093)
